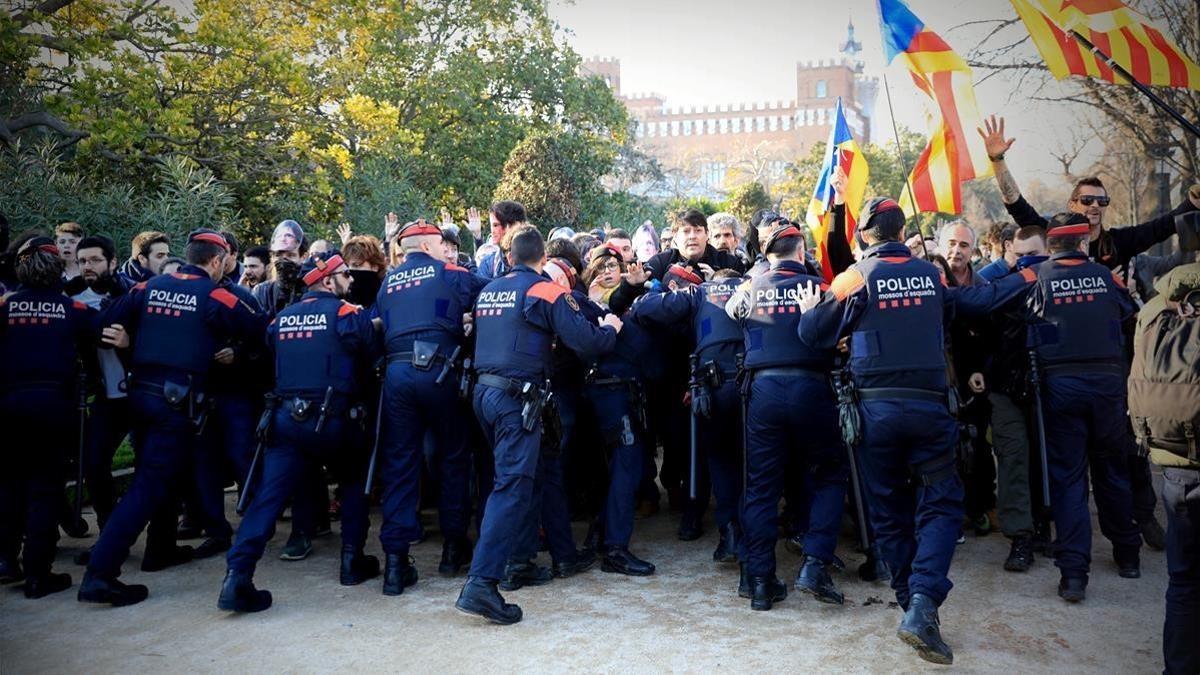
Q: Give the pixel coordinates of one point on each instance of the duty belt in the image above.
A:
(612, 381)
(508, 385)
(903, 393)
(789, 371)
(407, 357)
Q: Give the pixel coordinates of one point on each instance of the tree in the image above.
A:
(744, 200)
(284, 102)
(553, 175)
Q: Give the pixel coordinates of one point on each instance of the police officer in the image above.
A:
(718, 342)
(176, 321)
(316, 417)
(237, 382)
(42, 332)
(517, 317)
(888, 311)
(1076, 310)
(421, 306)
(788, 391)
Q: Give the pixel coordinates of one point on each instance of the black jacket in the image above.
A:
(718, 260)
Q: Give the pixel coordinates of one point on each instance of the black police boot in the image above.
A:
(581, 562)
(1072, 589)
(1020, 554)
(456, 554)
(238, 594)
(618, 560)
(357, 566)
(814, 579)
(726, 550)
(1129, 562)
(919, 629)
(517, 575)
(186, 529)
(42, 585)
(479, 597)
(211, 546)
(689, 526)
(158, 561)
(874, 569)
(744, 589)
(10, 570)
(110, 591)
(398, 573)
(765, 592)
(1152, 534)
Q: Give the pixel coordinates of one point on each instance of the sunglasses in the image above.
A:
(1088, 200)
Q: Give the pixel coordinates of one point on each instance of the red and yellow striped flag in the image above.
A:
(1116, 30)
(954, 154)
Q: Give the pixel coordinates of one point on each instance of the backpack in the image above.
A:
(1164, 383)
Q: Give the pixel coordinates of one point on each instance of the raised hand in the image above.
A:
(838, 183)
(475, 222)
(993, 137)
(447, 221)
(344, 232)
(637, 275)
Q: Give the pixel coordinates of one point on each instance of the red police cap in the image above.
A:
(209, 237)
(781, 232)
(417, 228)
(319, 267)
(1068, 230)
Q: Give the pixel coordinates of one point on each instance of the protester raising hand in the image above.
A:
(344, 232)
(475, 222)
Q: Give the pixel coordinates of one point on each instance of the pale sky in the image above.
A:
(729, 51)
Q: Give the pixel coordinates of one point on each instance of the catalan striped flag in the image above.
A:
(841, 151)
(1123, 34)
(955, 153)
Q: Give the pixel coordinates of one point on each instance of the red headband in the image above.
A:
(886, 205)
(418, 228)
(1068, 230)
(48, 248)
(323, 269)
(211, 238)
(685, 274)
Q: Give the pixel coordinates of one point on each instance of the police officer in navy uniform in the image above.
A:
(176, 322)
(517, 317)
(717, 343)
(421, 306)
(237, 382)
(322, 344)
(888, 311)
(790, 412)
(42, 332)
(1076, 311)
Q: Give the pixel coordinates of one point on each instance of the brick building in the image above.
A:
(709, 143)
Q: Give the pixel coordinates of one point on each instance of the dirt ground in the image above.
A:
(686, 618)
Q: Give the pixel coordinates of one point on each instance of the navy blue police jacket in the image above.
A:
(1076, 311)
(425, 299)
(634, 356)
(715, 336)
(770, 318)
(178, 321)
(249, 372)
(517, 318)
(894, 309)
(41, 333)
(320, 342)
